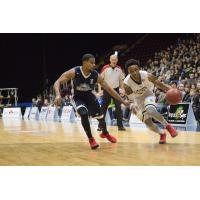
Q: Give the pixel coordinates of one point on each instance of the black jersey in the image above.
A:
(82, 84)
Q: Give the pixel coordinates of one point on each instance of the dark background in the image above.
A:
(27, 60)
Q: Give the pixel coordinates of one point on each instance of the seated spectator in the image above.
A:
(196, 106)
(187, 97)
(193, 86)
(66, 101)
(46, 102)
(34, 102)
(39, 103)
(193, 92)
(173, 84)
(191, 80)
(160, 96)
(198, 85)
(182, 89)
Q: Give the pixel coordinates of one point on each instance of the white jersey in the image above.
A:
(140, 90)
(142, 96)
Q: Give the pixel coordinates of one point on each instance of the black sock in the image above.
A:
(86, 125)
(102, 125)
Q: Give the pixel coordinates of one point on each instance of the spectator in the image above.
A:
(182, 89)
(34, 102)
(46, 102)
(174, 85)
(198, 85)
(191, 80)
(160, 96)
(196, 106)
(193, 92)
(39, 103)
(66, 101)
(187, 97)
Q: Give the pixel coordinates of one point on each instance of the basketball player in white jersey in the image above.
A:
(138, 86)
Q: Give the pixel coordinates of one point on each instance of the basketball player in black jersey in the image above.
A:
(84, 79)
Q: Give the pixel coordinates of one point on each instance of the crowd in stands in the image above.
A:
(179, 66)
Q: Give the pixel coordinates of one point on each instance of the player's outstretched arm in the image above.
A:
(111, 91)
(130, 95)
(65, 77)
(157, 83)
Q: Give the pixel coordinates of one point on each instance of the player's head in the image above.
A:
(113, 60)
(132, 67)
(88, 61)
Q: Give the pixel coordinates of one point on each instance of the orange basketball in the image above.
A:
(173, 96)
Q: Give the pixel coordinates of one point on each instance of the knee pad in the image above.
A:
(82, 111)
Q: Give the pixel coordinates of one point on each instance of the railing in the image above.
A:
(10, 91)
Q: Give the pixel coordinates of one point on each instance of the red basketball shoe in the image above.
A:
(108, 137)
(163, 138)
(93, 143)
(171, 130)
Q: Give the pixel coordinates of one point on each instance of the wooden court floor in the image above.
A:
(32, 143)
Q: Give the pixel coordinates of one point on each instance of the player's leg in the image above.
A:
(105, 103)
(119, 116)
(149, 123)
(83, 112)
(151, 110)
(96, 112)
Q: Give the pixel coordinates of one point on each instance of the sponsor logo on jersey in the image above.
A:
(140, 91)
(83, 87)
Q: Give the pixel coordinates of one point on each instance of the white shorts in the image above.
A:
(142, 104)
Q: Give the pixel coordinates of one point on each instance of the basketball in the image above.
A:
(173, 96)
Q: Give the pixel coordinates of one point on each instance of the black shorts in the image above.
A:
(90, 102)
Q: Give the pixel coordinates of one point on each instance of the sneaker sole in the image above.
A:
(174, 135)
(162, 142)
(95, 147)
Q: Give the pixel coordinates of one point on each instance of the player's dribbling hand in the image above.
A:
(57, 101)
(132, 108)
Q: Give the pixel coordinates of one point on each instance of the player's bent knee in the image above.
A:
(82, 111)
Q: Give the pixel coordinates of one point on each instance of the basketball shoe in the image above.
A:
(163, 138)
(93, 143)
(108, 137)
(171, 130)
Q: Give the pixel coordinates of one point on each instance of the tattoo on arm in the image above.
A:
(127, 89)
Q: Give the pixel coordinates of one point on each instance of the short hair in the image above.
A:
(173, 82)
(87, 56)
(131, 62)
